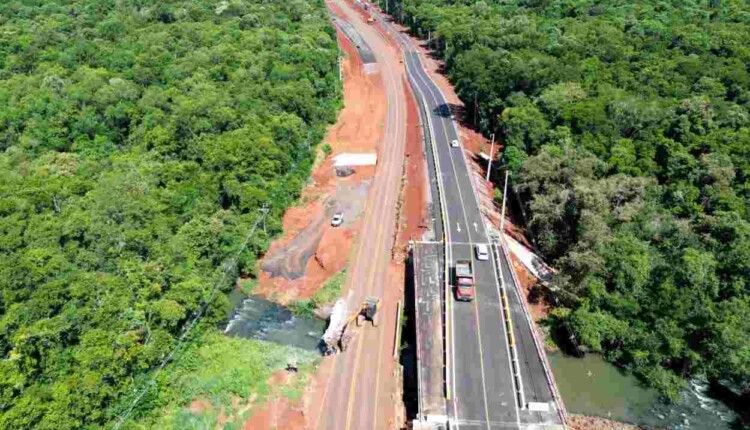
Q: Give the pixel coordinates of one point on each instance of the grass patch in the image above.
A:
(216, 371)
(294, 391)
(302, 308)
(326, 295)
(247, 285)
(331, 290)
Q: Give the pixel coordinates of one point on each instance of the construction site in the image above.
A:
(399, 349)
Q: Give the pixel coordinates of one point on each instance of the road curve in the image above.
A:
(481, 375)
(357, 393)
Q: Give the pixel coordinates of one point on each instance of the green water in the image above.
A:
(591, 386)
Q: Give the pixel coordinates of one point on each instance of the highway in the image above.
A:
(481, 375)
(483, 395)
(483, 392)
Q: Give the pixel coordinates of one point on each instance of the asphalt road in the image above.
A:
(533, 379)
(483, 392)
(481, 375)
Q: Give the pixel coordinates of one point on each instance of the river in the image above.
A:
(592, 386)
(256, 318)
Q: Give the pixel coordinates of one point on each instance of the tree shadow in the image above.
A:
(738, 402)
(408, 352)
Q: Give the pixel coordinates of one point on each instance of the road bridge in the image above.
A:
(495, 370)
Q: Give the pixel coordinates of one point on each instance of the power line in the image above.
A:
(186, 331)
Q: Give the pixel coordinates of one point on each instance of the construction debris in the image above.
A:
(335, 330)
(344, 171)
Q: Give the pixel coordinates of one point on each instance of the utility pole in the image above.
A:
(475, 108)
(489, 162)
(505, 194)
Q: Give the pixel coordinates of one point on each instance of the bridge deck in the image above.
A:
(428, 291)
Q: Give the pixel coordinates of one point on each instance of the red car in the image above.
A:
(465, 289)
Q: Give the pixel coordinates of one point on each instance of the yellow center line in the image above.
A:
(370, 282)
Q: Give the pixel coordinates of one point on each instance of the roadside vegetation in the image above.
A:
(627, 129)
(324, 296)
(226, 378)
(139, 142)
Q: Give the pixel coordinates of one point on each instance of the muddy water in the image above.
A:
(591, 386)
(257, 318)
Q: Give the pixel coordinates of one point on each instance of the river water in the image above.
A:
(256, 318)
(592, 386)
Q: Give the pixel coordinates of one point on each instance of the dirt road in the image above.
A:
(358, 393)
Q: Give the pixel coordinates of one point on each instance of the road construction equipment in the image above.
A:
(337, 337)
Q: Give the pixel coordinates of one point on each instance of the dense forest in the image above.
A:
(627, 129)
(140, 143)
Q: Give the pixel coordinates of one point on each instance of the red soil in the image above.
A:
(197, 407)
(414, 210)
(359, 128)
(281, 413)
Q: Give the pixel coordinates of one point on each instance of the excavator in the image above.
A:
(337, 337)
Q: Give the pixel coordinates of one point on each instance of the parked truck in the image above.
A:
(464, 281)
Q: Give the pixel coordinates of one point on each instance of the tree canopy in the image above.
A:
(139, 141)
(627, 127)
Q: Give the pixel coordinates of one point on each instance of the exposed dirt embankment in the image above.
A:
(413, 209)
(310, 249)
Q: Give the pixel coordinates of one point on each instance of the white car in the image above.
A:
(454, 143)
(483, 252)
(338, 219)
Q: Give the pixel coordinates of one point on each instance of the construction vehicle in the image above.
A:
(464, 281)
(338, 335)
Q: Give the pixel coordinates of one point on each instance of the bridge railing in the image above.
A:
(429, 135)
(562, 412)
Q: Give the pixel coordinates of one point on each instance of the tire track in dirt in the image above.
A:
(322, 250)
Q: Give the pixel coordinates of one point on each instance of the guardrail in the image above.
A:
(520, 397)
(537, 342)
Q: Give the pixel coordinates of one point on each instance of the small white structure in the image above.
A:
(353, 159)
